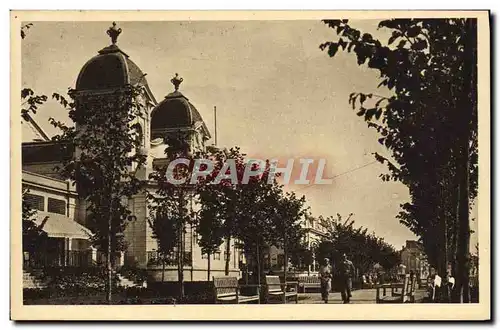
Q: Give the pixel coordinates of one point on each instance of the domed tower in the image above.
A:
(177, 118)
(112, 71)
(101, 80)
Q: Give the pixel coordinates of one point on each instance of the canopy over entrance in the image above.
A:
(57, 225)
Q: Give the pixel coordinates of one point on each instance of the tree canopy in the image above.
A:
(364, 249)
(428, 122)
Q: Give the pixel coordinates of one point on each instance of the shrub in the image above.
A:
(135, 274)
(75, 280)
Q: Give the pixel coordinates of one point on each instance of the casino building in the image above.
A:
(62, 213)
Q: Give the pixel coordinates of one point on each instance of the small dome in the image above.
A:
(112, 68)
(175, 110)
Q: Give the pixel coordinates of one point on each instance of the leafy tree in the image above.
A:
(364, 250)
(209, 227)
(221, 198)
(24, 29)
(325, 249)
(106, 145)
(29, 100)
(214, 221)
(301, 255)
(255, 227)
(170, 204)
(428, 122)
(290, 210)
(33, 234)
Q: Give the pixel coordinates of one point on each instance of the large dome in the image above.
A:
(111, 68)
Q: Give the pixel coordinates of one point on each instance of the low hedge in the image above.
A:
(136, 275)
(121, 296)
(74, 280)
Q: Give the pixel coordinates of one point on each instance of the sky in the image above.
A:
(277, 96)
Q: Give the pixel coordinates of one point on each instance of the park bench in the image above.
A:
(276, 289)
(307, 282)
(410, 290)
(394, 297)
(227, 290)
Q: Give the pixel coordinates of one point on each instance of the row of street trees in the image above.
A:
(364, 249)
(253, 211)
(428, 121)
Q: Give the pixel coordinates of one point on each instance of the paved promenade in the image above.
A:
(365, 296)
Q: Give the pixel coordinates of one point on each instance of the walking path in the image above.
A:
(365, 296)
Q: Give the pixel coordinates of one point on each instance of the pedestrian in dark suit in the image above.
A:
(346, 272)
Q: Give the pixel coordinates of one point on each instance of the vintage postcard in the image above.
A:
(294, 165)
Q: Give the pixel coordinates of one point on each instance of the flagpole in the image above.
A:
(215, 124)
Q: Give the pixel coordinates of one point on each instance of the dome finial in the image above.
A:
(176, 81)
(114, 32)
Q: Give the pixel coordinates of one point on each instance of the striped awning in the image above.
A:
(61, 226)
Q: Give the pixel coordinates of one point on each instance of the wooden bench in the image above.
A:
(227, 291)
(276, 289)
(394, 297)
(307, 282)
(410, 289)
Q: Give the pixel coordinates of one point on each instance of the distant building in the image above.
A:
(414, 259)
(314, 232)
(275, 257)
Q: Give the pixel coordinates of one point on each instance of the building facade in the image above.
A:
(109, 71)
(414, 259)
(314, 232)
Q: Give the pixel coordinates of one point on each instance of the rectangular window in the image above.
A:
(35, 201)
(225, 255)
(56, 206)
(217, 256)
(188, 239)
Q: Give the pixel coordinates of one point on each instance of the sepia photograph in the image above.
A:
(264, 161)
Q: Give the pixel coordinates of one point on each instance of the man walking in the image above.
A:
(325, 276)
(345, 278)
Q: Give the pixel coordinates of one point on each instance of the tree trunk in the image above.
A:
(469, 98)
(163, 270)
(228, 254)
(456, 295)
(109, 264)
(180, 246)
(181, 263)
(247, 268)
(208, 267)
(258, 264)
(443, 262)
(285, 253)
